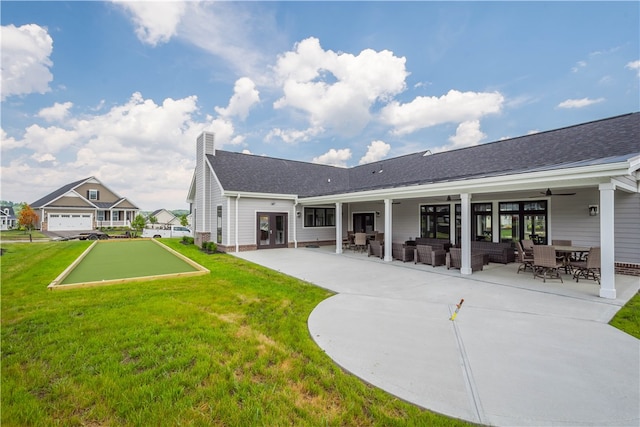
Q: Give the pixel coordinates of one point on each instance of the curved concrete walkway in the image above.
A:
(519, 353)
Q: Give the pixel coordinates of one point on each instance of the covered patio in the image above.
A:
(520, 352)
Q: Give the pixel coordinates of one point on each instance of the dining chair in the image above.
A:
(360, 241)
(545, 263)
(351, 236)
(527, 245)
(589, 268)
(526, 260)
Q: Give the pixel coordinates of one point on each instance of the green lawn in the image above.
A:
(111, 260)
(230, 348)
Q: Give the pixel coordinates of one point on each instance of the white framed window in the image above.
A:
(93, 194)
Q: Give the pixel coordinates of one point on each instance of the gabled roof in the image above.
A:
(8, 212)
(57, 193)
(598, 142)
(594, 142)
(60, 192)
(258, 174)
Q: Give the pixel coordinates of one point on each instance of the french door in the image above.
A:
(363, 223)
(272, 230)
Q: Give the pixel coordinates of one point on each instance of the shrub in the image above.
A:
(209, 246)
(186, 240)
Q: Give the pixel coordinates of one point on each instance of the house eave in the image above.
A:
(555, 178)
(252, 195)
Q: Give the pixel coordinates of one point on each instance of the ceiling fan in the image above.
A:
(549, 193)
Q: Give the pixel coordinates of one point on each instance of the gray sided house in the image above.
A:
(579, 183)
(83, 205)
(8, 218)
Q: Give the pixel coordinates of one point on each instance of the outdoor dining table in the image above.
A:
(566, 251)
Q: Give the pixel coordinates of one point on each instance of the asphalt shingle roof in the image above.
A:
(602, 141)
(57, 193)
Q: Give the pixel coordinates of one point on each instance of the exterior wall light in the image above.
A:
(593, 210)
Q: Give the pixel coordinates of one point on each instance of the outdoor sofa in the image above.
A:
(434, 243)
(498, 252)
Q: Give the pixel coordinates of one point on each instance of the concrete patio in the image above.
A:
(520, 352)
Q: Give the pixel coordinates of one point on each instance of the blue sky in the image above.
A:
(120, 90)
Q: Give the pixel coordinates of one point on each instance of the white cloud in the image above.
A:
(377, 150)
(334, 157)
(454, 107)
(229, 31)
(57, 112)
(579, 103)
(8, 142)
(135, 148)
(293, 136)
(467, 134)
(634, 65)
(336, 90)
(26, 52)
(40, 158)
(245, 96)
(578, 66)
(156, 21)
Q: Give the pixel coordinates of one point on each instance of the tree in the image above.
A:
(153, 219)
(138, 224)
(183, 220)
(28, 219)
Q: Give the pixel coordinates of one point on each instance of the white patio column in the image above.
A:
(388, 229)
(607, 241)
(465, 202)
(236, 222)
(338, 227)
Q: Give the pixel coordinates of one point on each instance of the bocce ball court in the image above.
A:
(107, 262)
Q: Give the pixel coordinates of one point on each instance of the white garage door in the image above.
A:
(70, 221)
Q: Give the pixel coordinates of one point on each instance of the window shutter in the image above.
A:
(98, 195)
(87, 194)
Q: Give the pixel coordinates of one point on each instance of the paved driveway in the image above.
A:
(519, 353)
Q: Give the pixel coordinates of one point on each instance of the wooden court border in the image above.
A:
(57, 282)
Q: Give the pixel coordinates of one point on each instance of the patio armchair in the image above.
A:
(401, 252)
(454, 260)
(427, 255)
(545, 263)
(525, 259)
(376, 249)
(589, 268)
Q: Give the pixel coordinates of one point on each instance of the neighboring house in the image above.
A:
(578, 183)
(83, 205)
(165, 219)
(8, 218)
